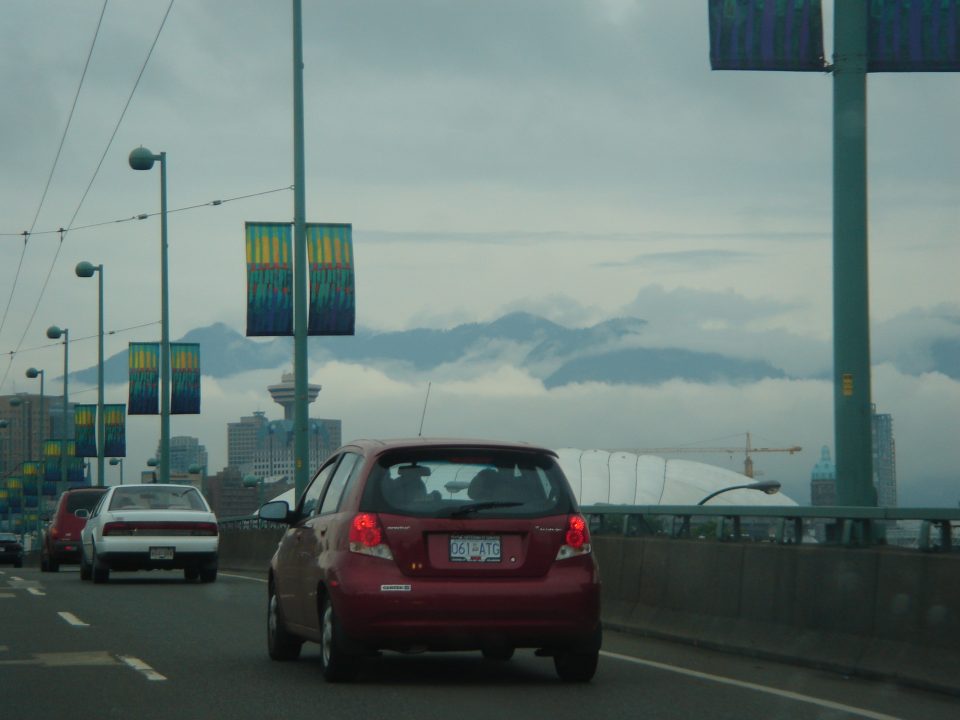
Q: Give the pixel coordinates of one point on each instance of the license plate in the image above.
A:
(161, 553)
(474, 548)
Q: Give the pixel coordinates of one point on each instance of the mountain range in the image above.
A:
(608, 352)
(611, 352)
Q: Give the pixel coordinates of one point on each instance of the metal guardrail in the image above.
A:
(846, 526)
(784, 525)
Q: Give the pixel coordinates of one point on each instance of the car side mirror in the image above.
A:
(276, 511)
(82, 513)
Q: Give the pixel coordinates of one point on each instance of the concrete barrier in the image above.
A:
(876, 612)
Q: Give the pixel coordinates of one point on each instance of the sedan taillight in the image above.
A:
(207, 529)
(576, 540)
(366, 537)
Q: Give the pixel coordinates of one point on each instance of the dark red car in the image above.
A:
(435, 545)
(61, 538)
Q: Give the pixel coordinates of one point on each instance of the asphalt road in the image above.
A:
(149, 645)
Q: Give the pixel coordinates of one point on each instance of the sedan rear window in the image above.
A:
(466, 484)
(156, 498)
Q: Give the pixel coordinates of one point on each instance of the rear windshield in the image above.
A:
(156, 498)
(467, 484)
(8, 537)
(83, 500)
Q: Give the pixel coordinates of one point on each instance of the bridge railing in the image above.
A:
(923, 529)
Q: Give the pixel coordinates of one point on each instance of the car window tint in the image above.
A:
(443, 483)
(315, 489)
(153, 497)
(331, 499)
(82, 501)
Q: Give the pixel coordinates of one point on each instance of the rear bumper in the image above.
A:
(124, 553)
(380, 607)
(65, 551)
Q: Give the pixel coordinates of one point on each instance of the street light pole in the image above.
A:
(34, 373)
(85, 269)
(770, 487)
(54, 333)
(300, 466)
(143, 159)
(118, 461)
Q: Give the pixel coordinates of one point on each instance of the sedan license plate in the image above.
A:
(161, 553)
(474, 548)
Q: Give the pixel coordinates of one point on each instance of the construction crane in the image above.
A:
(747, 461)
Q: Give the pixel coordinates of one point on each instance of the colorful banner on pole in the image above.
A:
(32, 472)
(85, 425)
(75, 471)
(185, 376)
(51, 456)
(332, 297)
(914, 36)
(144, 395)
(766, 35)
(269, 279)
(115, 430)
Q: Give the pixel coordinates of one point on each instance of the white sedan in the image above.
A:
(150, 527)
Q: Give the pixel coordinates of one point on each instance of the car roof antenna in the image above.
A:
(425, 401)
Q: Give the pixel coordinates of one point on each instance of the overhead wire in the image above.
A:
(56, 160)
(93, 178)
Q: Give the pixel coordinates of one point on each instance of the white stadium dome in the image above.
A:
(625, 478)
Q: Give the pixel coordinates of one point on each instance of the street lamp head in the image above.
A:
(251, 481)
(152, 462)
(770, 487)
(33, 373)
(85, 269)
(116, 461)
(54, 333)
(141, 158)
(3, 423)
(16, 402)
(194, 468)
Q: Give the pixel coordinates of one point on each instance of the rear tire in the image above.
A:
(281, 645)
(336, 663)
(191, 574)
(53, 565)
(575, 666)
(208, 574)
(85, 569)
(101, 571)
(44, 567)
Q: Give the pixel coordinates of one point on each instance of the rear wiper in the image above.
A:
(464, 510)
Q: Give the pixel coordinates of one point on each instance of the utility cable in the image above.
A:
(56, 160)
(83, 198)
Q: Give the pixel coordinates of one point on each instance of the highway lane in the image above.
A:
(149, 645)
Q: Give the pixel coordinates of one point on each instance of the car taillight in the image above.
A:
(366, 537)
(117, 528)
(54, 533)
(576, 541)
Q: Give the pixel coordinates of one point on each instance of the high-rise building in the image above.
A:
(27, 426)
(884, 459)
(184, 452)
(823, 480)
(265, 448)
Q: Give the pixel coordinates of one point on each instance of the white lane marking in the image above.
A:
(35, 591)
(753, 686)
(7, 595)
(140, 666)
(73, 619)
(18, 579)
(244, 577)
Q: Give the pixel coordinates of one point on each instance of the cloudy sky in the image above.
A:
(572, 158)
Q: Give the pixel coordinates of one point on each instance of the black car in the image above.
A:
(11, 551)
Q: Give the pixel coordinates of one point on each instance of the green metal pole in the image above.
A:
(851, 308)
(164, 331)
(301, 467)
(63, 429)
(101, 481)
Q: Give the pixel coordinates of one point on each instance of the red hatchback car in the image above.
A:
(61, 538)
(435, 545)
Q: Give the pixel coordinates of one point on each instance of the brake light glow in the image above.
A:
(366, 537)
(576, 540)
(54, 533)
